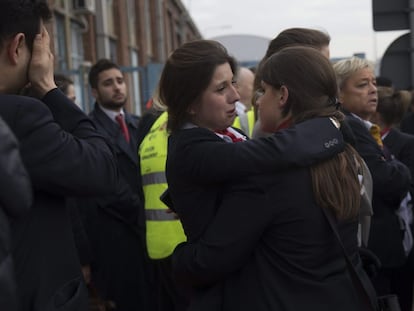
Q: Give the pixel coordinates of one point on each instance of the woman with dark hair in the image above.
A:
(267, 244)
(288, 38)
(198, 87)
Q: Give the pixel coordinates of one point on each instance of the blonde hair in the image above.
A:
(345, 68)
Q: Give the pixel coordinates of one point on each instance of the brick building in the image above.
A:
(136, 34)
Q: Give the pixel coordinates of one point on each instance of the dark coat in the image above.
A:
(115, 224)
(401, 145)
(15, 201)
(270, 247)
(391, 181)
(64, 156)
(199, 163)
(407, 123)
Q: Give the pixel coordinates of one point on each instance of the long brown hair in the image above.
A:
(336, 185)
(311, 83)
(288, 38)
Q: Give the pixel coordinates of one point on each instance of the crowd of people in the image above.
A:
(286, 187)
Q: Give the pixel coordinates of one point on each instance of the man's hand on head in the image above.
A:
(41, 65)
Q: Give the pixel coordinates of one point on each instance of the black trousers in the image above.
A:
(168, 294)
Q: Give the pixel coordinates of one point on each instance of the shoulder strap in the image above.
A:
(361, 282)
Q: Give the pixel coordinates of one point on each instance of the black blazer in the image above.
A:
(15, 202)
(64, 156)
(401, 145)
(199, 163)
(115, 224)
(269, 247)
(407, 123)
(391, 181)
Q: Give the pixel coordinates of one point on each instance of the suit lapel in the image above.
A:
(113, 131)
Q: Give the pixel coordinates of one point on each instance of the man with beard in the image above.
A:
(115, 224)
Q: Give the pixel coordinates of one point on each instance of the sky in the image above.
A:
(348, 22)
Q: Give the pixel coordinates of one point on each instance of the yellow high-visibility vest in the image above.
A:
(164, 232)
(245, 122)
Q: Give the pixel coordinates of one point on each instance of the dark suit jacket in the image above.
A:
(115, 224)
(199, 163)
(391, 181)
(401, 145)
(15, 202)
(64, 156)
(270, 247)
(407, 123)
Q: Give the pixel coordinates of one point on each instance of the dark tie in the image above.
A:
(120, 119)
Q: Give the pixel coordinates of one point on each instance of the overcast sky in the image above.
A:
(348, 22)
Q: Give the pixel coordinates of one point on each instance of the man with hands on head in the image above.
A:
(63, 154)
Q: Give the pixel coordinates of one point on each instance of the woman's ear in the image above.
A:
(94, 92)
(192, 109)
(284, 95)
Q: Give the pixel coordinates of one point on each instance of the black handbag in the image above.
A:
(362, 282)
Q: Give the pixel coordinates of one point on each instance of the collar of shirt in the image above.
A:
(112, 114)
(367, 123)
(235, 133)
(384, 132)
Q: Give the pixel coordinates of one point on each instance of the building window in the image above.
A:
(60, 4)
(170, 36)
(131, 23)
(113, 55)
(135, 84)
(60, 42)
(147, 25)
(110, 17)
(76, 45)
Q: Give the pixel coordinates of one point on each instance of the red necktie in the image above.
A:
(120, 119)
(233, 137)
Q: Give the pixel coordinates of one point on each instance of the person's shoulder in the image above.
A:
(19, 102)
(194, 134)
(19, 99)
(132, 119)
(408, 138)
(181, 141)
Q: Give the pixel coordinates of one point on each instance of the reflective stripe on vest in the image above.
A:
(159, 214)
(154, 178)
(163, 230)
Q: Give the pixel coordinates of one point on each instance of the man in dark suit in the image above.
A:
(63, 154)
(115, 224)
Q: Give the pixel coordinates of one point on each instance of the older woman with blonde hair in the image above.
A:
(391, 178)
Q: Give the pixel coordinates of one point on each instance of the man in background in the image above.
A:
(245, 114)
(115, 224)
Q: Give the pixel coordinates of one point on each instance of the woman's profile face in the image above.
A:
(359, 93)
(270, 113)
(216, 108)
